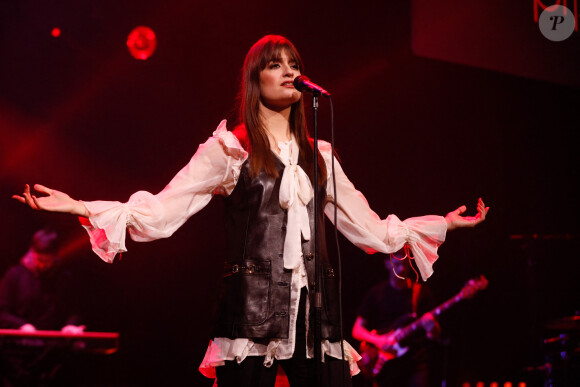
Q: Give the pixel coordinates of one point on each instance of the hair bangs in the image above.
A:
(270, 49)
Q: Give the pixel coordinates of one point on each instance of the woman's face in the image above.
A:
(276, 83)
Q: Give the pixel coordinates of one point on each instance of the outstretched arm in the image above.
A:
(213, 169)
(54, 201)
(364, 228)
(455, 220)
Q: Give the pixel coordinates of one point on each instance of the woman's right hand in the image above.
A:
(54, 201)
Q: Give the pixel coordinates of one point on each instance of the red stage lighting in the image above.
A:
(142, 42)
(55, 32)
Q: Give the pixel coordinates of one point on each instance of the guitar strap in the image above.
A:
(415, 299)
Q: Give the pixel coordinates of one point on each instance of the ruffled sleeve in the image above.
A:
(214, 168)
(363, 227)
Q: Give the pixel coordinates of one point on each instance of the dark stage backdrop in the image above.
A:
(415, 135)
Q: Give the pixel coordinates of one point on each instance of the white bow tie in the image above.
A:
(295, 193)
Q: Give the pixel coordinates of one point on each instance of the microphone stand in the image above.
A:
(317, 299)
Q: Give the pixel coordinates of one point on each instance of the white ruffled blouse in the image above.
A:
(214, 169)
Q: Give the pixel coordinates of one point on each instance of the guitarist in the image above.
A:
(391, 304)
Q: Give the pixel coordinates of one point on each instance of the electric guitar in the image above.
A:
(373, 358)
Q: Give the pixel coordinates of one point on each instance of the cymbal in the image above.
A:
(564, 323)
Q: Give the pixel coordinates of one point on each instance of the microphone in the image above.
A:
(302, 83)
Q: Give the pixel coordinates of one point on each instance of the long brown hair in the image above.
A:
(251, 131)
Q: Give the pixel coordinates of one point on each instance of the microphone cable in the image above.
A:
(338, 255)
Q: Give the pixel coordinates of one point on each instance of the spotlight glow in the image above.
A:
(141, 42)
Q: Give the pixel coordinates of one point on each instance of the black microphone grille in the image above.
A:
(299, 82)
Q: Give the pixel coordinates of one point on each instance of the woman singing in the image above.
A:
(264, 170)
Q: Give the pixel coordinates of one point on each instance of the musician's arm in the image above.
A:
(71, 304)
(361, 333)
(8, 320)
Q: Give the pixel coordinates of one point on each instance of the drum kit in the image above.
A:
(561, 348)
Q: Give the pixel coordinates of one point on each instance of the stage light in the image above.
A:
(141, 42)
(55, 32)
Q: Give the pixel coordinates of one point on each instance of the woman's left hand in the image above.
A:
(455, 220)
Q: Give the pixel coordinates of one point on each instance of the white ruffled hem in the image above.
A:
(423, 234)
(222, 349)
(229, 141)
(232, 147)
(107, 223)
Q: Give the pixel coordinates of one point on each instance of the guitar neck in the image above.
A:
(407, 330)
(446, 305)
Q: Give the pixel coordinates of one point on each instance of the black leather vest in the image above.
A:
(255, 295)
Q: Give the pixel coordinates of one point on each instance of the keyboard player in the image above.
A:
(36, 295)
